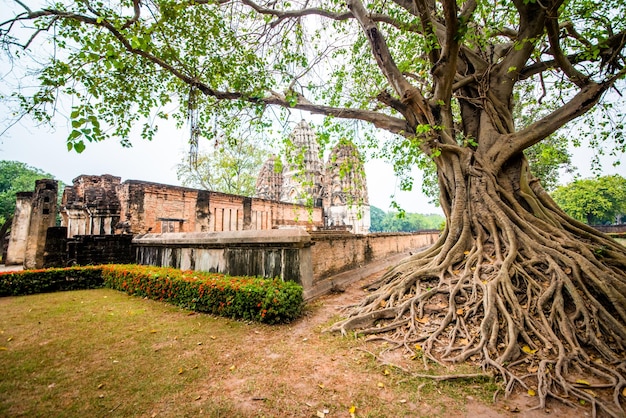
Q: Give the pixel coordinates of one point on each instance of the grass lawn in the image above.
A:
(100, 353)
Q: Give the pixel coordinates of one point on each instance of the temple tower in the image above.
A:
(270, 181)
(302, 173)
(346, 204)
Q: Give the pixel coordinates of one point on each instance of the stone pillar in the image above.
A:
(19, 229)
(43, 215)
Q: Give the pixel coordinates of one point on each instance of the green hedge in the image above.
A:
(29, 282)
(265, 300)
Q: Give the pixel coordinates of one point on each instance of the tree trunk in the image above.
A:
(514, 283)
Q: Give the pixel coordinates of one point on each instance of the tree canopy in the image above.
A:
(16, 177)
(232, 166)
(594, 201)
(513, 282)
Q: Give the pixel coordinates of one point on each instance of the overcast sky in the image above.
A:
(156, 161)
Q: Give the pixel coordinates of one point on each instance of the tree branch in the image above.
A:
(380, 120)
(135, 18)
(608, 47)
(531, 26)
(552, 28)
(417, 111)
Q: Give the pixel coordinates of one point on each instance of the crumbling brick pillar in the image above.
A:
(43, 215)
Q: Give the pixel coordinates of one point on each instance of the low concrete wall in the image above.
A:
(280, 253)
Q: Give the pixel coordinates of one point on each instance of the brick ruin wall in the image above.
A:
(101, 205)
(335, 253)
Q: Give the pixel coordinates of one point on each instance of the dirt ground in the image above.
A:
(320, 379)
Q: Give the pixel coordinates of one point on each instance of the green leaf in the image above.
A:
(79, 146)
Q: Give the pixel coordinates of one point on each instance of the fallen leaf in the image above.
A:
(320, 414)
(3, 349)
(381, 385)
(352, 411)
(181, 371)
(402, 401)
(418, 347)
(459, 311)
(101, 385)
(232, 368)
(591, 392)
(526, 349)
(197, 398)
(531, 392)
(9, 339)
(424, 320)
(153, 331)
(51, 385)
(583, 382)
(624, 392)
(582, 402)
(386, 372)
(321, 385)
(532, 369)
(213, 337)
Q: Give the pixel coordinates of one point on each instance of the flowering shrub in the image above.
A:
(28, 282)
(265, 300)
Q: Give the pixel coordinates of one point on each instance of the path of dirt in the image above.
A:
(302, 374)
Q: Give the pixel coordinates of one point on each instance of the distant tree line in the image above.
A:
(393, 221)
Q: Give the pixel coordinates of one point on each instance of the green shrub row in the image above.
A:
(265, 300)
(29, 282)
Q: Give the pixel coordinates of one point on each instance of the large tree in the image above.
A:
(594, 201)
(513, 281)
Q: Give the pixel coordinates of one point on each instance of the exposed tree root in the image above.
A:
(533, 296)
